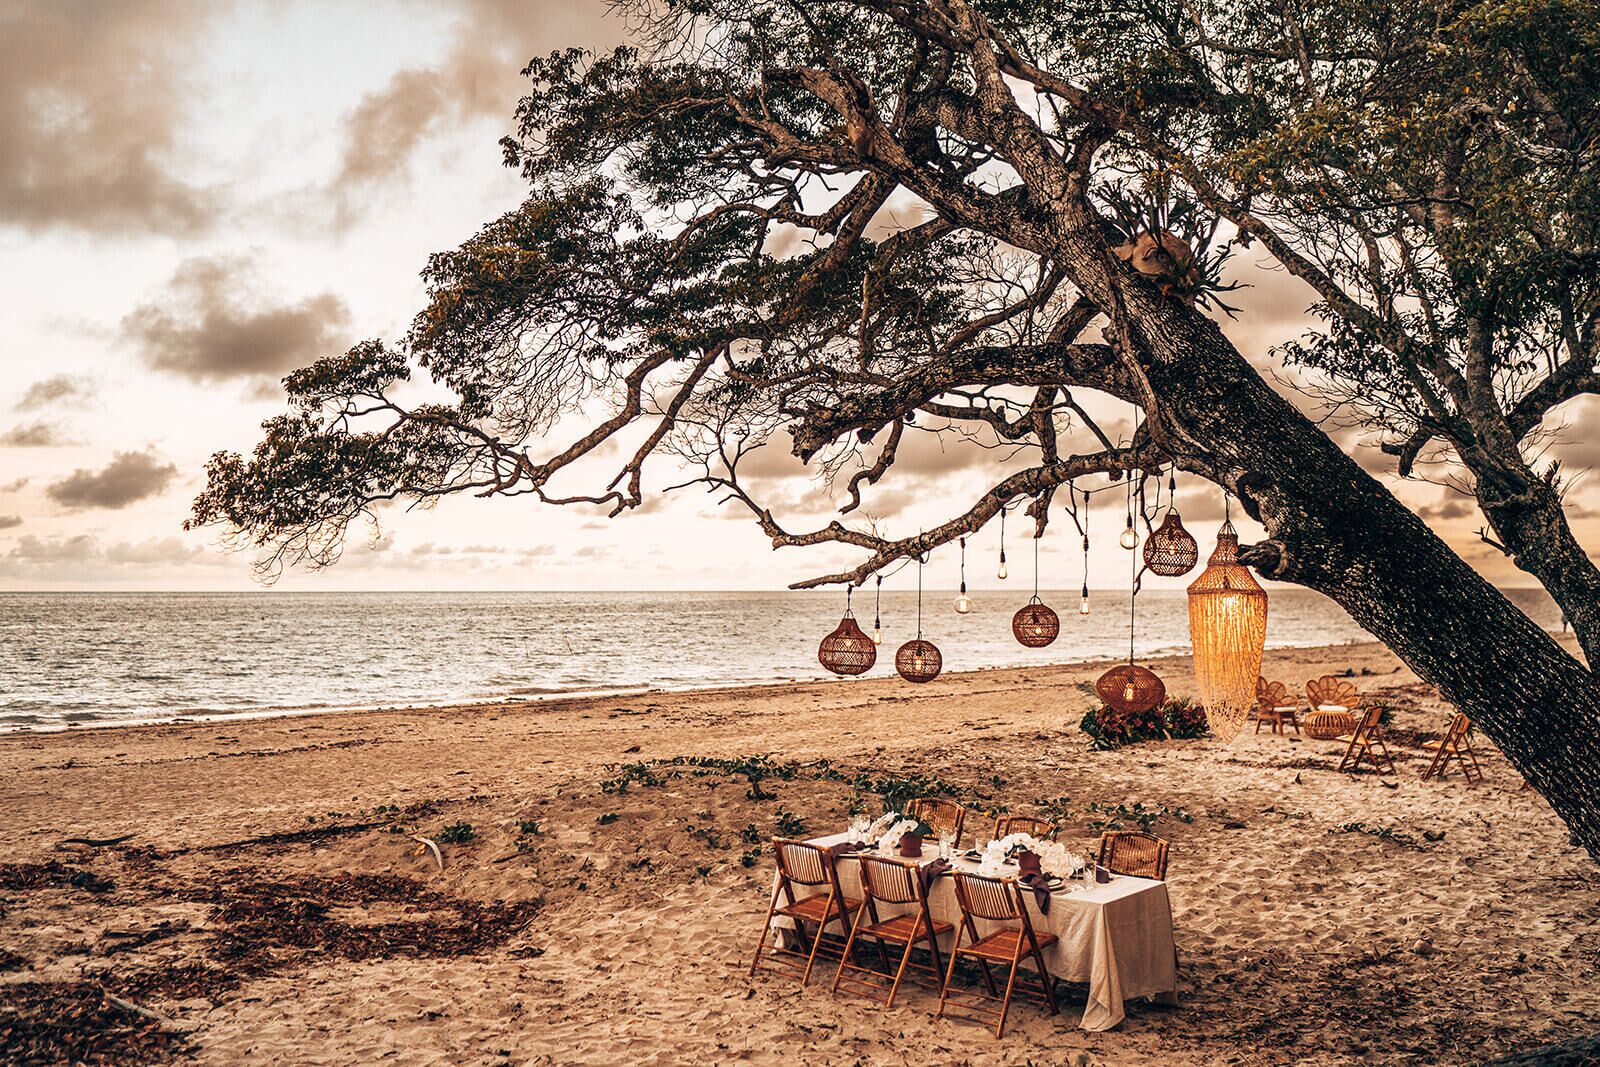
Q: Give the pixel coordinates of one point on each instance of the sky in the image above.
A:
(197, 198)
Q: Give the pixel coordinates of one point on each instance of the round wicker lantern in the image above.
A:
(1170, 551)
(847, 650)
(1129, 687)
(1035, 624)
(918, 661)
(1228, 626)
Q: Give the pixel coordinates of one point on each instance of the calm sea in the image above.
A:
(83, 658)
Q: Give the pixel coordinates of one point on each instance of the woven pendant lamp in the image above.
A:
(1171, 550)
(1035, 624)
(1129, 687)
(847, 650)
(918, 660)
(1228, 627)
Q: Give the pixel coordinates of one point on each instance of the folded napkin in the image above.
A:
(844, 848)
(929, 873)
(1101, 874)
(1041, 890)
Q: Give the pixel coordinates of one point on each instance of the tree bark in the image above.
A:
(1335, 529)
(1527, 516)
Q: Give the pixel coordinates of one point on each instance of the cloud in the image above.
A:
(199, 328)
(128, 478)
(54, 550)
(61, 390)
(10, 522)
(91, 100)
(479, 77)
(1447, 507)
(12, 487)
(36, 434)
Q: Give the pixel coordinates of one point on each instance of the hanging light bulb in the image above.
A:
(1130, 536)
(877, 614)
(1001, 573)
(963, 601)
(1083, 604)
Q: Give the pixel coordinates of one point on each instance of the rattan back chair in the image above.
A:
(945, 816)
(1331, 692)
(1456, 744)
(802, 866)
(996, 900)
(1005, 825)
(1275, 705)
(897, 883)
(1365, 744)
(1135, 853)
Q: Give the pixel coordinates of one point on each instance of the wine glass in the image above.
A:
(947, 844)
(859, 827)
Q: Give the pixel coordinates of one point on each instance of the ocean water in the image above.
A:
(87, 658)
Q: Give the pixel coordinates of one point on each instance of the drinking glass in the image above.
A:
(947, 845)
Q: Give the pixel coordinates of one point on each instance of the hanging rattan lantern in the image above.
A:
(847, 650)
(1035, 624)
(1170, 551)
(918, 661)
(1129, 687)
(1228, 626)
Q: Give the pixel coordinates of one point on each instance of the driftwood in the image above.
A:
(95, 842)
(130, 1006)
(438, 857)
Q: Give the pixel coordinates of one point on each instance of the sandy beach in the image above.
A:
(604, 881)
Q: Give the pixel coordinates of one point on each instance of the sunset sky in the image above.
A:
(197, 198)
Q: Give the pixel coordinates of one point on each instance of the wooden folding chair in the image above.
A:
(996, 900)
(1006, 825)
(945, 816)
(801, 863)
(1456, 744)
(1366, 743)
(1135, 853)
(1275, 705)
(890, 882)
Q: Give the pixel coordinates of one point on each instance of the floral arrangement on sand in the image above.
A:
(1054, 858)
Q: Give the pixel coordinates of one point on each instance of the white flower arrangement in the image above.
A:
(890, 841)
(1054, 858)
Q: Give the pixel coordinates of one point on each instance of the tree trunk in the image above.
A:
(1531, 524)
(1335, 529)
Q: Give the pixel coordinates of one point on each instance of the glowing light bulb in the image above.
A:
(1083, 605)
(877, 635)
(963, 603)
(1002, 572)
(1127, 692)
(1129, 538)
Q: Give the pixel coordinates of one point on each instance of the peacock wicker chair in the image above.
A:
(1035, 624)
(1333, 703)
(1171, 551)
(1129, 687)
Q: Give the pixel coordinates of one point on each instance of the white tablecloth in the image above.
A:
(1115, 936)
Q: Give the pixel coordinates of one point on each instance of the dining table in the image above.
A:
(1116, 936)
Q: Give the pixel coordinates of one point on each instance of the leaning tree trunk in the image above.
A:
(1334, 528)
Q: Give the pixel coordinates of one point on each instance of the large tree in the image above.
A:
(838, 222)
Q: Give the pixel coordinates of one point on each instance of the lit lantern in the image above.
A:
(1035, 624)
(1228, 626)
(847, 650)
(918, 661)
(1129, 687)
(1171, 551)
